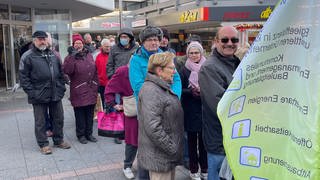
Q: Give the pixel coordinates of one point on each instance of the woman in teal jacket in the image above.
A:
(150, 38)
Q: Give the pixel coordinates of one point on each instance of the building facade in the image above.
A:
(185, 17)
(20, 18)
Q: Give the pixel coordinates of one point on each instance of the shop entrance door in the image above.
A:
(14, 42)
(6, 66)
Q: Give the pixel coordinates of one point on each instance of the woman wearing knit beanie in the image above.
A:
(191, 104)
(82, 72)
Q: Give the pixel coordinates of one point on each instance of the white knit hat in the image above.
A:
(195, 44)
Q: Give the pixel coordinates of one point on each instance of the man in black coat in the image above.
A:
(214, 78)
(42, 79)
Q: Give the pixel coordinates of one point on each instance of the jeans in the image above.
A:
(130, 155)
(214, 165)
(56, 112)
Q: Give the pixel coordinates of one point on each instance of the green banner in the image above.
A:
(270, 112)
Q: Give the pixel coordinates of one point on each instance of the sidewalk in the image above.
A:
(20, 157)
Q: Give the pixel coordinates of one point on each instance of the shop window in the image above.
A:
(20, 13)
(4, 11)
(57, 23)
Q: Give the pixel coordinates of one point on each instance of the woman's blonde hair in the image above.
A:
(159, 60)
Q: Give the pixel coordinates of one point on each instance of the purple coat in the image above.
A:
(119, 83)
(82, 72)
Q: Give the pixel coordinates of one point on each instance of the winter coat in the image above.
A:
(90, 47)
(82, 72)
(191, 105)
(41, 76)
(138, 71)
(101, 63)
(160, 138)
(120, 55)
(214, 78)
(119, 83)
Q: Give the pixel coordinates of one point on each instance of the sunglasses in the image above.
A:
(226, 40)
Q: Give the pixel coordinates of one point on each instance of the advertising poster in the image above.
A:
(270, 112)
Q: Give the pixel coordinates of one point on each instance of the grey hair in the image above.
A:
(105, 41)
(86, 35)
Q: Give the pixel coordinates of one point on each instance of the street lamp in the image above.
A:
(120, 14)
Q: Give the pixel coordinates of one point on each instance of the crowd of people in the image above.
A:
(176, 121)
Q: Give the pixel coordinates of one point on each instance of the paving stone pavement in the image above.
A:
(20, 157)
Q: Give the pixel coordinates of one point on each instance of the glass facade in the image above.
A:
(16, 27)
(4, 11)
(20, 13)
(58, 24)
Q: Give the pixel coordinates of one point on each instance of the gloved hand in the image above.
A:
(195, 91)
(72, 51)
(118, 107)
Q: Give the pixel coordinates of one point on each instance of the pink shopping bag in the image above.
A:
(111, 124)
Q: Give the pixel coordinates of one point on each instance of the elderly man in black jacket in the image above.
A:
(42, 79)
(214, 78)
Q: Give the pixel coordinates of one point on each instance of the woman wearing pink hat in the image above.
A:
(81, 69)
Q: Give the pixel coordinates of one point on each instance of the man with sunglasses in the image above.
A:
(215, 76)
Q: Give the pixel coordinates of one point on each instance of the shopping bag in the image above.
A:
(98, 107)
(225, 171)
(111, 124)
(129, 106)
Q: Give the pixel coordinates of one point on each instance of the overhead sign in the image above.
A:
(266, 13)
(190, 16)
(270, 112)
(194, 15)
(139, 23)
(108, 25)
(240, 13)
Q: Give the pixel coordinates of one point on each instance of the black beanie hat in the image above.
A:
(165, 33)
(150, 31)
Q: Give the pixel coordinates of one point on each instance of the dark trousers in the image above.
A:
(143, 174)
(56, 112)
(101, 92)
(84, 120)
(195, 144)
(48, 121)
(130, 155)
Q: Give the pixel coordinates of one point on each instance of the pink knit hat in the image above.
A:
(77, 37)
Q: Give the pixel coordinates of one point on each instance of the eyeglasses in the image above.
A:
(153, 39)
(170, 67)
(195, 53)
(233, 40)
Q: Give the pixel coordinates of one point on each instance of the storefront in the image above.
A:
(105, 25)
(20, 18)
(205, 21)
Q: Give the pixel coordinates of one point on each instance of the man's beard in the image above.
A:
(42, 47)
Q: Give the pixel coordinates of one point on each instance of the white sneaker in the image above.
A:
(195, 176)
(128, 173)
(204, 176)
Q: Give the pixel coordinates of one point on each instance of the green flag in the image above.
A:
(270, 112)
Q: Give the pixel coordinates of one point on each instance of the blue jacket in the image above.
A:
(138, 71)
